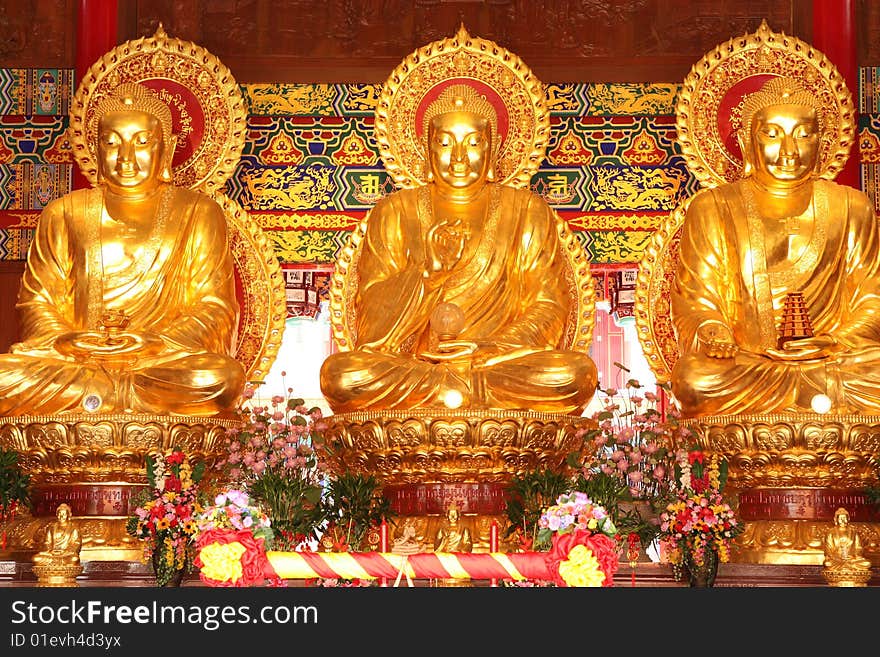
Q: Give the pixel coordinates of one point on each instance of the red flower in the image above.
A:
(172, 483)
(175, 458)
(602, 547)
(695, 455)
(255, 567)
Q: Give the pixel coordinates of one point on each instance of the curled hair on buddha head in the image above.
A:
(65, 506)
(777, 91)
(463, 98)
(131, 96)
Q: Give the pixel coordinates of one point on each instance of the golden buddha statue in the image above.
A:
(756, 298)
(62, 541)
(462, 304)
(462, 300)
(844, 564)
(452, 536)
(746, 245)
(127, 302)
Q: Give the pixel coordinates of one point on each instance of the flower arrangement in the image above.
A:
(633, 442)
(627, 464)
(275, 456)
(232, 509)
(581, 535)
(234, 535)
(698, 527)
(165, 520)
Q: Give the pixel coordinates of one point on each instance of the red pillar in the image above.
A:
(95, 36)
(834, 34)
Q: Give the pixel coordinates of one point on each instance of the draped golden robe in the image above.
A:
(509, 283)
(726, 273)
(179, 289)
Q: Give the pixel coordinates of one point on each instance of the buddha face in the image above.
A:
(131, 151)
(785, 143)
(459, 149)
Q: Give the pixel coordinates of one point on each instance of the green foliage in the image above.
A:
(354, 503)
(294, 503)
(14, 484)
(528, 495)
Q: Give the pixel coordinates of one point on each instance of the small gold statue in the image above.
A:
(747, 244)
(844, 564)
(127, 301)
(463, 297)
(452, 536)
(58, 564)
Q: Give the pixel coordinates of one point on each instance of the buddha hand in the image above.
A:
(818, 346)
(716, 340)
(445, 244)
(96, 345)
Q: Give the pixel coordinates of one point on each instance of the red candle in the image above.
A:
(383, 547)
(493, 545)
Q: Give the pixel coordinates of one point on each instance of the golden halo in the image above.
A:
(652, 305)
(207, 107)
(709, 105)
(259, 287)
(506, 82)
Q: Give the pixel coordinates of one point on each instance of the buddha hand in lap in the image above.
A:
(462, 287)
(128, 294)
(746, 245)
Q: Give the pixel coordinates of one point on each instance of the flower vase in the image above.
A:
(702, 575)
(176, 577)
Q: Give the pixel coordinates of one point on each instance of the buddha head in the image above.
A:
(135, 144)
(781, 133)
(63, 513)
(460, 125)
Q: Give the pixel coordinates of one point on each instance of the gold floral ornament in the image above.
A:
(208, 120)
(497, 76)
(709, 110)
(208, 111)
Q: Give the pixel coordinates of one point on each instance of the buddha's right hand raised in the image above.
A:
(716, 340)
(445, 244)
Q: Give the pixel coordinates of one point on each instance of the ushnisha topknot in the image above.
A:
(461, 98)
(132, 96)
(778, 91)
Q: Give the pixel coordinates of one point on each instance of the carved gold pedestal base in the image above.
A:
(96, 464)
(52, 575)
(789, 473)
(846, 578)
(428, 459)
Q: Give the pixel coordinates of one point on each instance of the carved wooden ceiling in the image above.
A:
(363, 40)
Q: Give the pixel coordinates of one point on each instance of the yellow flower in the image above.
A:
(162, 524)
(581, 568)
(222, 562)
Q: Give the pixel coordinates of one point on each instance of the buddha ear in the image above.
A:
(167, 174)
(745, 148)
(490, 174)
